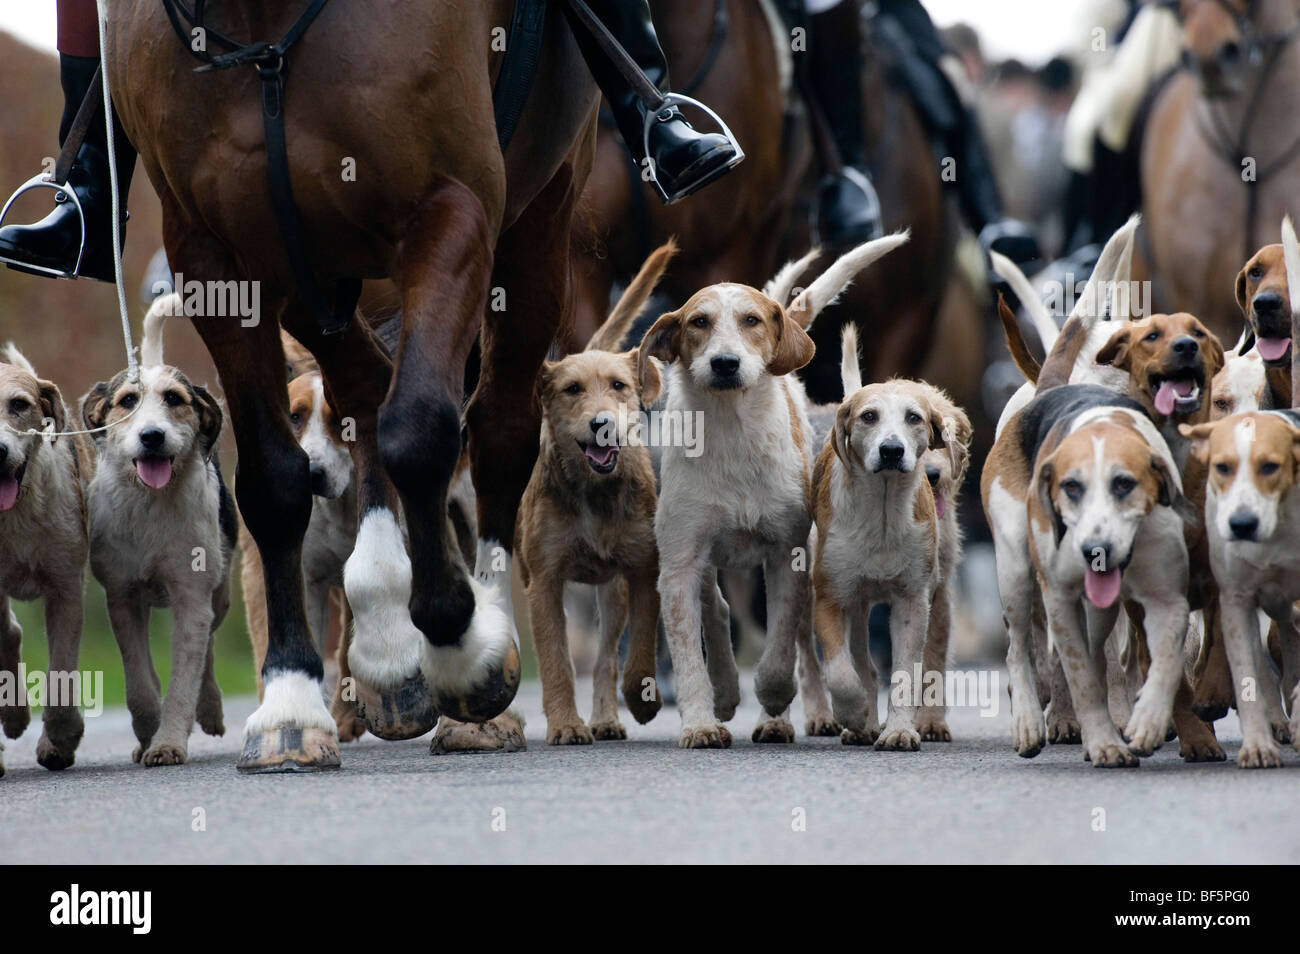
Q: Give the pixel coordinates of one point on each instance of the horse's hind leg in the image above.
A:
(388, 688)
(470, 660)
(291, 730)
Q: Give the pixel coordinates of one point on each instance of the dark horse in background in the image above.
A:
(402, 91)
(742, 227)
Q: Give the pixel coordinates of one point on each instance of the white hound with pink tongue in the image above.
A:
(162, 528)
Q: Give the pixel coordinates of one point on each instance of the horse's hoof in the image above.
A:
(487, 699)
(395, 714)
(289, 748)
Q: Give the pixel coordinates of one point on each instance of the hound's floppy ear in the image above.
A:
(841, 433)
(210, 418)
(793, 349)
(94, 407)
(1043, 485)
(1214, 353)
(957, 435)
(1169, 491)
(663, 340)
(545, 376)
(650, 380)
(52, 406)
(1199, 436)
(1241, 290)
(1115, 351)
(940, 430)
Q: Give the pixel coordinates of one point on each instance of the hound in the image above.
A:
(43, 545)
(746, 500)
(588, 516)
(162, 529)
(1253, 521)
(878, 489)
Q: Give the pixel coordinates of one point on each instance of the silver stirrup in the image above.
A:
(677, 99)
(40, 181)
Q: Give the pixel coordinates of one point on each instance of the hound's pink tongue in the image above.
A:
(1169, 391)
(1272, 349)
(154, 471)
(8, 493)
(940, 507)
(1102, 589)
(599, 455)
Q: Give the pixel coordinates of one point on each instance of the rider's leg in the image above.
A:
(53, 242)
(848, 209)
(684, 159)
(977, 189)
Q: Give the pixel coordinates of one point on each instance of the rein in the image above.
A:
(271, 60)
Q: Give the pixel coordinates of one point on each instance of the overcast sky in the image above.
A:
(1032, 30)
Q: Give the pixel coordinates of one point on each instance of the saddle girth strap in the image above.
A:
(271, 62)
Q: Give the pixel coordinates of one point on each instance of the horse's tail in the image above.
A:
(1044, 324)
(1291, 256)
(1116, 260)
(151, 348)
(850, 373)
(610, 335)
(1020, 354)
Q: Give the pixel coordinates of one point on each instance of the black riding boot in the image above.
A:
(848, 209)
(977, 190)
(683, 159)
(53, 242)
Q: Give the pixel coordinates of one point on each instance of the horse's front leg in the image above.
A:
(291, 730)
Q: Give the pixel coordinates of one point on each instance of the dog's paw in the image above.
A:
(350, 725)
(611, 731)
(773, 729)
(1198, 744)
(505, 733)
(164, 753)
(56, 755)
(899, 739)
(1063, 730)
(821, 725)
(1027, 736)
(1262, 754)
(705, 737)
(14, 720)
(635, 693)
(1145, 732)
(1281, 732)
(933, 729)
(210, 719)
(569, 733)
(1110, 755)
(864, 737)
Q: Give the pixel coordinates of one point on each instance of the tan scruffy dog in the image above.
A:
(588, 517)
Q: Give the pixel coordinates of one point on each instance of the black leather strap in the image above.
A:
(91, 106)
(515, 81)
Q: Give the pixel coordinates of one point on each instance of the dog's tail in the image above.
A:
(1043, 322)
(610, 334)
(15, 357)
(1291, 256)
(850, 373)
(830, 283)
(163, 307)
(1115, 264)
(1020, 353)
(781, 285)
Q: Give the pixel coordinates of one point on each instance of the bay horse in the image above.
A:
(401, 94)
(734, 55)
(1220, 155)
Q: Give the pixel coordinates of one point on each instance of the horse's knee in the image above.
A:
(274, 495)
(419, 440)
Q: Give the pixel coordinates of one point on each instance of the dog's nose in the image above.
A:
(891, 451)
(603, 419)
(151, 438)
(725, 365)
(4, 453)
(932, 474)
(318, 487)
(1096, 553)
(1267, 304)
(1186, 346)
(1243, 525)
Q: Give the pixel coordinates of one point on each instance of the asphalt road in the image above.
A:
(645, 801)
